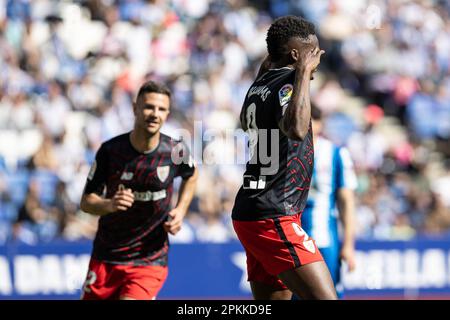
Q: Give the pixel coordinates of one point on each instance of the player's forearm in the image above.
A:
(96, 205)
(349, 228)
(186, 193)
(296, 119)
(346, 212)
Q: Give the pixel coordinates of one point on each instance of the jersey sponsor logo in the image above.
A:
(146, 195)
(127, 176)
(307, 242)
(92, 170)
(285, 94)
(149, 196)
(163, 172)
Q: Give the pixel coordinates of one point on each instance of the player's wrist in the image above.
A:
(108, 206)
(349, 245)
(304, 72)
(300, 68)
(182, 210)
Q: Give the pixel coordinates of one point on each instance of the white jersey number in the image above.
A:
(252, 128)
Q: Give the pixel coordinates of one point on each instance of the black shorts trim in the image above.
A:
(288, 244)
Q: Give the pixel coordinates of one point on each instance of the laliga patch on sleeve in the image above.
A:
(285, 94)
(92, 171)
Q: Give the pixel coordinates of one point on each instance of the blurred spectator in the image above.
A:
(45, 157)
(35, 222)
(438, 220)
(368, 146)
(210, 227)
(16, 112)
(79, 226)
(52, 110)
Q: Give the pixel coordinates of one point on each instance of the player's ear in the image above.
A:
(295, 55)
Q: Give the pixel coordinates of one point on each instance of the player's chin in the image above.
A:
(153, 129)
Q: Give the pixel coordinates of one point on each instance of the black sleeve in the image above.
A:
(184, 163)
(96, 179)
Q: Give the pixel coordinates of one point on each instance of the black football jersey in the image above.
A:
(278, 174)
(136, 236)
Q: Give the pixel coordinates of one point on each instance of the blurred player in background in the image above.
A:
(281, 258)
(130, 187)
(333, 184)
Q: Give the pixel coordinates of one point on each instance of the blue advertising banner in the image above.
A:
(419, 268)
(385, 269)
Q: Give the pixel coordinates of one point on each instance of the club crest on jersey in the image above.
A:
(163, 172)
(285, 93)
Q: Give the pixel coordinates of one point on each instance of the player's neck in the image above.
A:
(282, 63)
(143, 142)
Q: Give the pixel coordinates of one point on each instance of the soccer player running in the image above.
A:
(333, 184)
(130, 187)
(281, 258)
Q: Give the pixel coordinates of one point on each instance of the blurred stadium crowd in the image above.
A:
(69, 71)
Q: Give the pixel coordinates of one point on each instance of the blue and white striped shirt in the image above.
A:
(333, 169)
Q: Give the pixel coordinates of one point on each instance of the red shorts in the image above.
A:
(107, 281)
(273, 246)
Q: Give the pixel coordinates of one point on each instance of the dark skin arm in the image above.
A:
(295, 121)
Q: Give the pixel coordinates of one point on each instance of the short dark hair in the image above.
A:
(316, 113)
(153, 86)
(284, 28)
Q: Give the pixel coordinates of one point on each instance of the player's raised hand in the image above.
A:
(310, 59)
(122, 200)
(173, 224)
